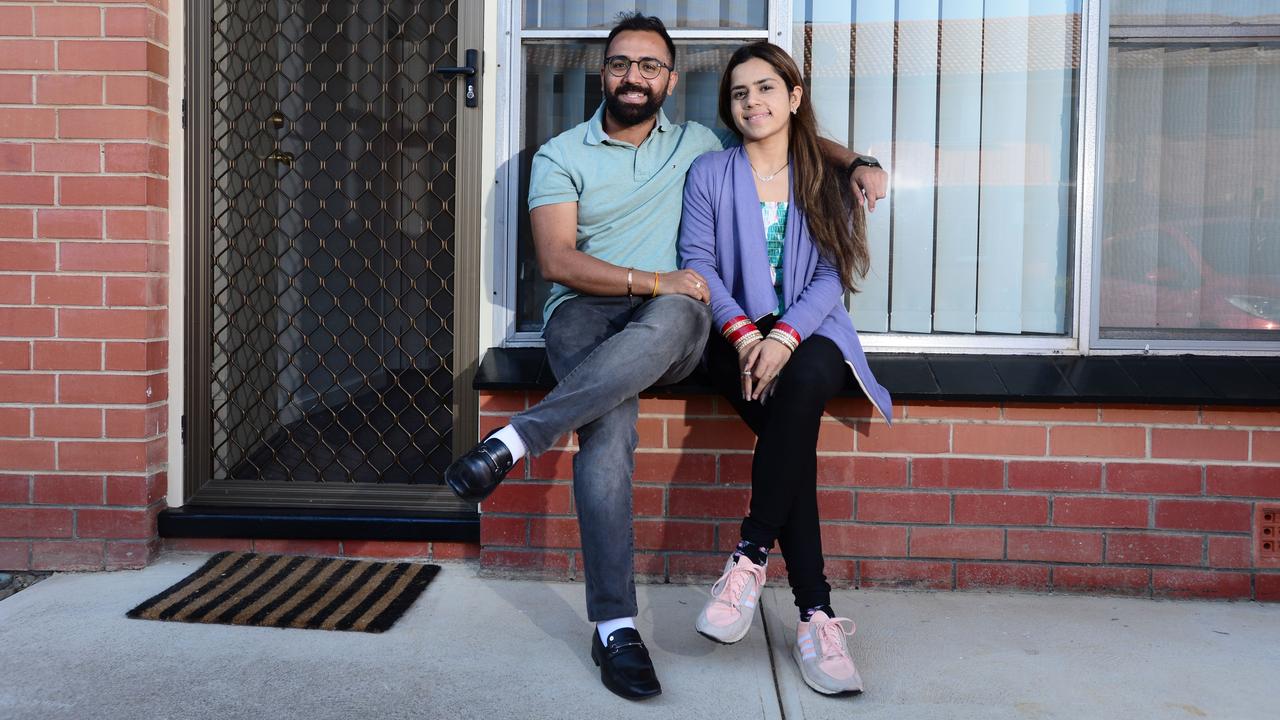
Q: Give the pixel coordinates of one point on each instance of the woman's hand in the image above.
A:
(761, 367)
(683, 282)
(745, 355)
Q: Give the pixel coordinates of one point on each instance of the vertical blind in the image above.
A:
(971, 104)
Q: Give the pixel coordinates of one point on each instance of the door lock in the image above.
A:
(468, 73)
(282, 157)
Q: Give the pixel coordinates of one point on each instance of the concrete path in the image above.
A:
(474, 647)
(995, 656)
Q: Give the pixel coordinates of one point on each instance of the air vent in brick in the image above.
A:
(1268, 527)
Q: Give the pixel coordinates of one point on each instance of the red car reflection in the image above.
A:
(1208, 275)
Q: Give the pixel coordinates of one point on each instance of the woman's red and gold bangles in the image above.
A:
(786, 335)
(740, 332)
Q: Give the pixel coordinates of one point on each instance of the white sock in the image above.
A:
(608, 626)
(511, 439)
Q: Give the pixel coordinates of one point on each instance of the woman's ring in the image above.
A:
(746, 373)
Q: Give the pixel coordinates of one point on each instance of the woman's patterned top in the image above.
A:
(775, 228)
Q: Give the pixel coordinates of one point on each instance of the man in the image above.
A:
(604, 201)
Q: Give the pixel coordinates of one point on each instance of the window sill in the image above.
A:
(1170, 380)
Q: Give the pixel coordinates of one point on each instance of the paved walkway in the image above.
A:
(474, 647)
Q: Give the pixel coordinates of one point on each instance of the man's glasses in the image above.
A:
(618, 65)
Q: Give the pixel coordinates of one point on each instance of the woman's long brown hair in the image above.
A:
(836, 223)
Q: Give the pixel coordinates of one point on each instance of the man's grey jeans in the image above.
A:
(604, 351)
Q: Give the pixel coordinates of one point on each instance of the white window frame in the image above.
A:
(1084, 336)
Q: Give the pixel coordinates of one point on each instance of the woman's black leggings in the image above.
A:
(784, 472)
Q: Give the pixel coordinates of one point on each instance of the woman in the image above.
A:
(768, 225)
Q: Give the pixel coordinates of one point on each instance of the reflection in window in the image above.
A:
(972, 106)
(1195, 12)
(1191, 195)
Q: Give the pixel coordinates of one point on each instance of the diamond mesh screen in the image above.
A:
(333, 217)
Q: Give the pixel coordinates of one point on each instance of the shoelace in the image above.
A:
(733, 581)
(832, 634)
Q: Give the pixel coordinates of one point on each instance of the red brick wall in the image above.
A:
(83, 272)
(1111, 499)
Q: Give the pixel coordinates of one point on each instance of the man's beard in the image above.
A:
(631, 114)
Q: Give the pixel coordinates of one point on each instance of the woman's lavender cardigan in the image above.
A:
(722, 238)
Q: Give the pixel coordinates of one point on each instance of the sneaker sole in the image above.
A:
(795, 655)
(723, 641)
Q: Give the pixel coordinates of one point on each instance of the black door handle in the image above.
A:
(468, 73)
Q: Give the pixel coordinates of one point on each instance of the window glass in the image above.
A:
(562, 89)
(1190, 247)
(971, 105)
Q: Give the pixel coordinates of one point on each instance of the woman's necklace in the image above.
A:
(767, 178)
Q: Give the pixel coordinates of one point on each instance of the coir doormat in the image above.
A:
(236, 588)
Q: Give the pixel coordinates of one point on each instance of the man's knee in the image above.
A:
(682, 316)
(616, 428)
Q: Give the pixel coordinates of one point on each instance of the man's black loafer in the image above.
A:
(625, 667)
(476, 474)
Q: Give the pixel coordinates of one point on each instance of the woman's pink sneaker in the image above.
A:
(822, 652)
(726, 618)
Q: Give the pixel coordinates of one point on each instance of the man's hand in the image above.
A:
(683, 282)
(868, 185)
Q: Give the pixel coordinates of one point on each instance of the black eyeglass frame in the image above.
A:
(661, 66)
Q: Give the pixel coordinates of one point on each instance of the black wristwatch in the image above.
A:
(861, 161)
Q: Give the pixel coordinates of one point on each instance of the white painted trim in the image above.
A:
(780, 25)
(492, 94)
(1093, 101)
(177, 250)
(500, 268)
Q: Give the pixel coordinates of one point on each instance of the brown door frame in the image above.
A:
(199, 486)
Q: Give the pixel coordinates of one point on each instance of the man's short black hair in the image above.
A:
(644, 23)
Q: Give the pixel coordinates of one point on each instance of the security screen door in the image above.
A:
(323, 287)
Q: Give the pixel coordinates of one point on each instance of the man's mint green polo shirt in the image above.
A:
(629, 198)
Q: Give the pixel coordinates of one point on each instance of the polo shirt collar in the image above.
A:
(595, 126)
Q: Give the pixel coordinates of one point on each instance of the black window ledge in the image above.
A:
(1138, 379)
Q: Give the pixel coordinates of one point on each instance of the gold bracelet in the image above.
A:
(655, 285)
(629, 271)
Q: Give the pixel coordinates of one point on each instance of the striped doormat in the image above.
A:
(236, 588)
